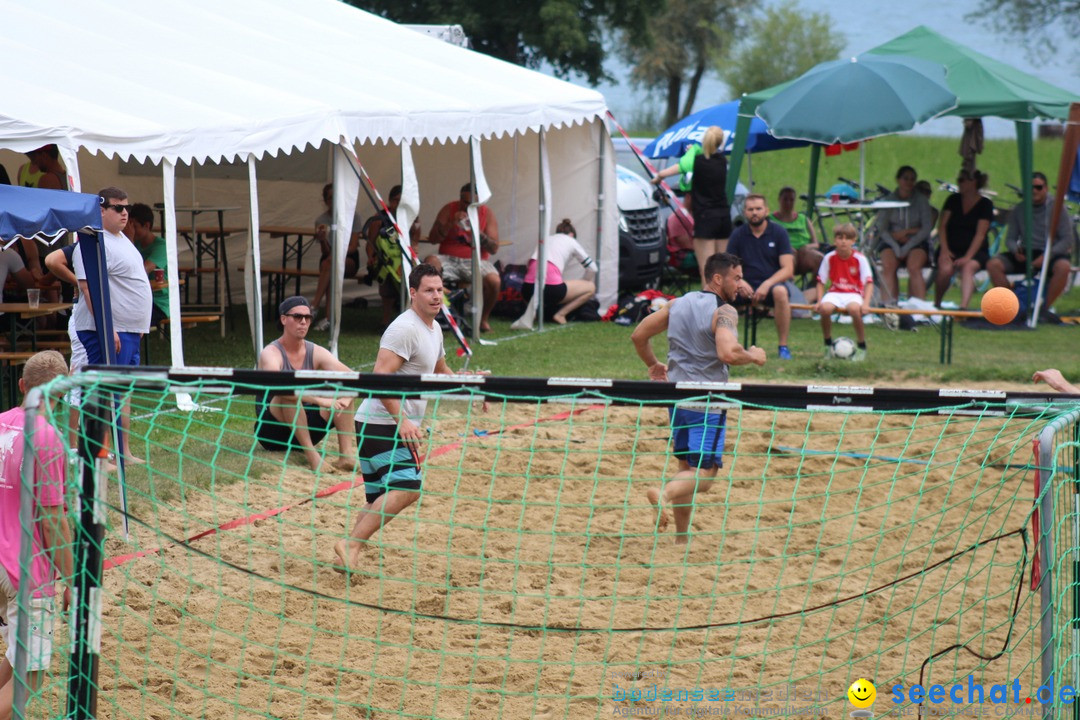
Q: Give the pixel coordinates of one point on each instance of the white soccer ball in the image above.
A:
(843, 348)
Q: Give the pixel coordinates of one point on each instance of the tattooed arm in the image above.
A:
(728, 349)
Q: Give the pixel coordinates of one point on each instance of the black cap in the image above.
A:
(292, 302)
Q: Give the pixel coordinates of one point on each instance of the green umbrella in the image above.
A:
(856, 99)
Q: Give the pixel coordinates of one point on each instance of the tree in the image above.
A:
(568, 34)
(780, 45)
(1041, 22)
(687, 39)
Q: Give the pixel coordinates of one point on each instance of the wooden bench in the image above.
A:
(186, 321)
(945, 327)
(10, 360)
(276, 280)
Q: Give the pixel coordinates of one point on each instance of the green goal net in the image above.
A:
(851, 533)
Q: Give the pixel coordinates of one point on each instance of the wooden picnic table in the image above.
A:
(23, 311)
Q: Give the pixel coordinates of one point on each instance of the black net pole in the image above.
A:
(89, 557)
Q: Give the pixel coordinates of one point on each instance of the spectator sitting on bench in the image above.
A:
(453, 232)
(154, 253)
(352, 256)
(11, 263)
(1013, 260)
(904, 237)
(803, 237)
(286, 421)
(965, 221)
(680, 239)
(384, 255)
(851, 285)
(768, 264)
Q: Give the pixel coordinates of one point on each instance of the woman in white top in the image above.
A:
(561, 296)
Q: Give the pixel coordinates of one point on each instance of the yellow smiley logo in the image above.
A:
(862, 693)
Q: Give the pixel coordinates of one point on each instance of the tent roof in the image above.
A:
(45, 214)
(983, 86)
(211, 80)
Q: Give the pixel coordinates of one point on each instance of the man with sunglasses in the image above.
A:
(130, 297)
(287, 421)
(1013, 260)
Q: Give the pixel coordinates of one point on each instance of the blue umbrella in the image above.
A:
(45, 214)
(674, 141)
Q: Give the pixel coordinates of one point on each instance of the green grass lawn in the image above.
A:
(604, 350)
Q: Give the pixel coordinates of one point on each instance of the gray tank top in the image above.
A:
(691, 341)
(309, 356)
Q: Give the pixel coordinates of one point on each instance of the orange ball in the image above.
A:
(1000, 305)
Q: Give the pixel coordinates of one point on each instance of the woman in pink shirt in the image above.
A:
(561, 296)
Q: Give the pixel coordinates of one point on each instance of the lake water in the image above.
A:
(866, 25)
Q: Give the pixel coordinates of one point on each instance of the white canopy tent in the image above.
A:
(205, 81)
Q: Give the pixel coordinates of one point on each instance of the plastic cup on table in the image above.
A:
(834, 198)
(33, 297)
(159, 275)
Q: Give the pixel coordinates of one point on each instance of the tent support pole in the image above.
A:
(811, 187)
(1024, 148)
(253, 271)
(176, 335)
(742, 132)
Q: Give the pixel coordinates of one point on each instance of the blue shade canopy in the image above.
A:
(674, 141)
(45, 215)
(857, 99)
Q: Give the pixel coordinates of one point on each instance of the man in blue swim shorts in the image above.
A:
(702, 342)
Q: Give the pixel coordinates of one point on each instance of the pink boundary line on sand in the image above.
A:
(118, 560)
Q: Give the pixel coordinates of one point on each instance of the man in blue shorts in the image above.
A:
(702, 342)
(129, 287)
(388, 429)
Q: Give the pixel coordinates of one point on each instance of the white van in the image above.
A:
(642, 241)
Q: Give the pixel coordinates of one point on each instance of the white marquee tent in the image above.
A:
(243, 81)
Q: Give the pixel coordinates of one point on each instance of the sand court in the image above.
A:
(530, 581)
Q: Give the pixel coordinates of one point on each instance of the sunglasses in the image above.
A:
(1038, 187)
(120, 209)
(300, 318)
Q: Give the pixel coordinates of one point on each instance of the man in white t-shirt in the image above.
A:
(388, 429)
(130, 298)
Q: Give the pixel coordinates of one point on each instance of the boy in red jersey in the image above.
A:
(851, 285)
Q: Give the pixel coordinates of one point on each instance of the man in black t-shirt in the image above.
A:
(768, 263)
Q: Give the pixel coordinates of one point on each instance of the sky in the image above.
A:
(866, 24)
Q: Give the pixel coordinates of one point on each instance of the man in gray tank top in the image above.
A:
(285, 421)
(702, 343)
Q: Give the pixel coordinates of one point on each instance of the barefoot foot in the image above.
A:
(342, 564)
(657, 501)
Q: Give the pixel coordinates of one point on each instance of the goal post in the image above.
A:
(850, 531)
